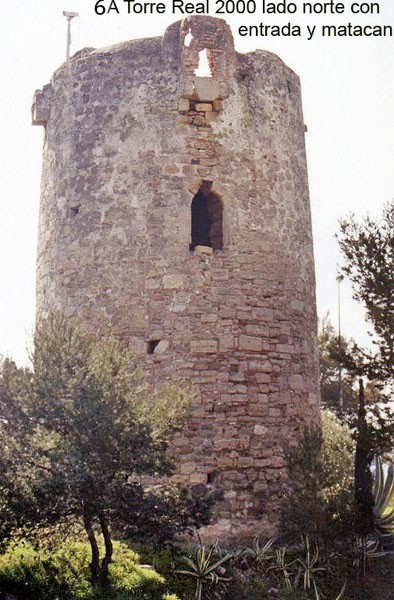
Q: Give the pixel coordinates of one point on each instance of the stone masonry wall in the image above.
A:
(132, 134)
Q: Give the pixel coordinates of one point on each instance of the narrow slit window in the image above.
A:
(207, 221)
(188, 38)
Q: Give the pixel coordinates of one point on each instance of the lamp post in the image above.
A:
(69, 16)
(339, 280)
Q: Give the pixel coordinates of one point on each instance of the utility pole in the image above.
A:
(339, 279)
(69, 16)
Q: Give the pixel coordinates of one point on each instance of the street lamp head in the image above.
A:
(339, 278)
(70, 15)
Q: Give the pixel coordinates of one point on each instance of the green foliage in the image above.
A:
(166, 411)
(15, 491)
(300, 594)
(247, 585)
(295, 568)
(164, 559)
(206, 568)
(300, 569)
(41, 573)
(308, 564)
(368, 248)
(321, 475)
(383, 493)
(81, 432)
(302, 509)
(260, 552)
(363, 505)
(337, 455)
(332, 357)
(158, 513)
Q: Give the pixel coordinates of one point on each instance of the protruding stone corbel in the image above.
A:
(41, 106)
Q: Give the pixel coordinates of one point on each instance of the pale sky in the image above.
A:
(348, 97)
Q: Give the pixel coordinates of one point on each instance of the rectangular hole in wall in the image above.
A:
(152, 345)
(211, 477)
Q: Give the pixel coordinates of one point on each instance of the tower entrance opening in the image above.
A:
(207, 220)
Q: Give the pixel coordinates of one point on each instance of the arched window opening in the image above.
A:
(207, 221)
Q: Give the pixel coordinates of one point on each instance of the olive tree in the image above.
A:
(81, 431)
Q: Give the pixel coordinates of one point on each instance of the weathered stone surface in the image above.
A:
(204, 346)
(205, 89)
(184, 106)
(260, 430)
(296, 382)
(203, 250)
(126, 151)
(204, 108)
(173, 281)
(162, 347)
(247, 342)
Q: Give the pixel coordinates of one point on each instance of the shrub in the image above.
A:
(38, 573)
(302, 510)
(164, 560)
(249, 585)
(321, 477)
(337, 457)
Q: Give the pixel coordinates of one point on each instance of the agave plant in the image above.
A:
(339, 597)
(260, 552)
(308, 565)
(205, 568)
(301, 571)
(383, 493)
(284, 567)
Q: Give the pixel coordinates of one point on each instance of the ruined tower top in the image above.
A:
(200, 37)
(175, 214)
(184, 46)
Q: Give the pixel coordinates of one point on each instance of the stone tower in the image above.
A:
(175, 214)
